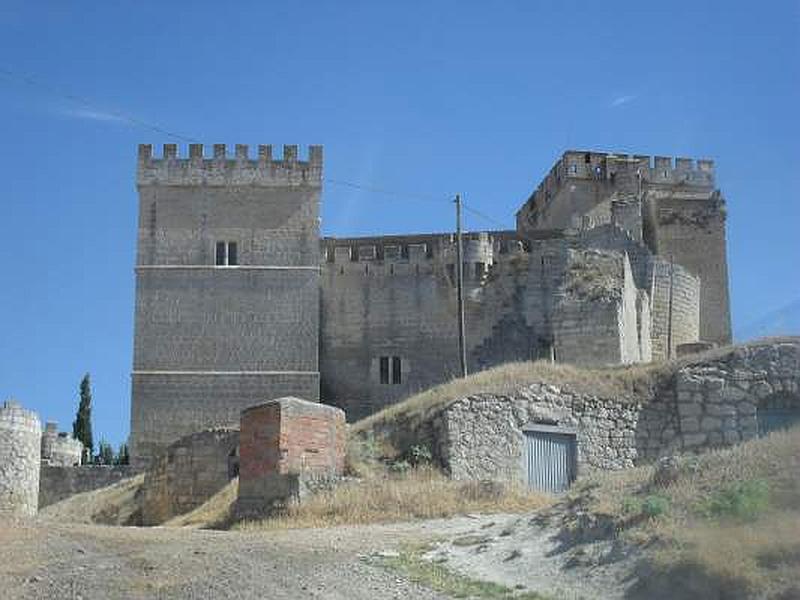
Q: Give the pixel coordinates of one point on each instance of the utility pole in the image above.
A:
(669, 312)
(462, 345)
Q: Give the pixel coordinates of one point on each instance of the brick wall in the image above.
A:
(285, 443)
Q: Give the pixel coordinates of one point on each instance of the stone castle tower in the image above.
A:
(227, 288)
(616, 259)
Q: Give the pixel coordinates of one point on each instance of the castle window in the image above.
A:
(480, 269)
(226, 254)
(391, 370)
(573, 169)
(396, 372)
(384, 369)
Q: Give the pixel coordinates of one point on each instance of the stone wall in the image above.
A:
(188, 473)
(60, 482)
(481, 437)
(212, 339)
(703, 402)
(60, 449)
(285, 445)
(20, 447)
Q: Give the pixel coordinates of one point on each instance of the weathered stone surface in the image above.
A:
(286, 446)
(20, 448)
(188, 473)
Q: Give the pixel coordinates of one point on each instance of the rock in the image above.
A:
(667, 471)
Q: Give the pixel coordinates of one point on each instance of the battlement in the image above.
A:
(439, 248)
(221, 168)
(613, 168)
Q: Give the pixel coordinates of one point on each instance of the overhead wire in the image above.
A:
(89, 104)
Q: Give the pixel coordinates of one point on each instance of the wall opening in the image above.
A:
(777, 413)
(551, 458)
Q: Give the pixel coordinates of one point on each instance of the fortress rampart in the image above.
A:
(223, 170)
(609, 264)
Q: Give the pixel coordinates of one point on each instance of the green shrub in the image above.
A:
(654, 506)
(400, 467)
(743, 500)
(419, 455)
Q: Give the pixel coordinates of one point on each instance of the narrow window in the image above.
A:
(480, 269)
(226, 254)
(384, 369)
(396, 372)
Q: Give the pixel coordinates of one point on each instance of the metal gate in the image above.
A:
(550, 458)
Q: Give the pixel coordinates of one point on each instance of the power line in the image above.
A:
(86, 103)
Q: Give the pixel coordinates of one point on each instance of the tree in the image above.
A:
(105, 453)
(123, 458)
(82, 426)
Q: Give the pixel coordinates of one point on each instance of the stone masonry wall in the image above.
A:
(60, 482)
(188, 473)
(212, 339)
(707, 402)
(60, 449)
(20, 447)
(285, 445)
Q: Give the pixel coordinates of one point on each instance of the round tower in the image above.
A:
(20, 447)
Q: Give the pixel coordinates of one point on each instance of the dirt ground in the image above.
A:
(43, 559)
(72, 561)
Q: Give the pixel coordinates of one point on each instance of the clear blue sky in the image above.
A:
(428, 98)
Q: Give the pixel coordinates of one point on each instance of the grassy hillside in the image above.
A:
(725, 525)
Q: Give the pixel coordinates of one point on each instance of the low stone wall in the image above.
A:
(188, 473)
(59, 482)
(711, 401)
(481, 437)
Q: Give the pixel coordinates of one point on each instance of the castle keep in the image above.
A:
(615, 259)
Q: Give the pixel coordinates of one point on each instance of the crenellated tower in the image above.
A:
(227, 287)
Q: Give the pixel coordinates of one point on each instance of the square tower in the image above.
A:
(227, 288)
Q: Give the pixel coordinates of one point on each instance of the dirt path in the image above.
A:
(42, 560)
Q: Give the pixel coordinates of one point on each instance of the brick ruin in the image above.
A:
(616, 259)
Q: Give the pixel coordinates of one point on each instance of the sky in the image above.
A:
(423, 99)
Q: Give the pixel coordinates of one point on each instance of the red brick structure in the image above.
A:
(285, 444)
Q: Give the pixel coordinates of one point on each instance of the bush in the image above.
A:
(744, 500)
(419, 455)
(650, 506)
(654, 506)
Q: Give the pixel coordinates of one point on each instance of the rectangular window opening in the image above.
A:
(396, 370)
(384, 369)
(226, 254)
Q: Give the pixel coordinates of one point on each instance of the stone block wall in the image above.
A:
(711, 402)
(60, 482)
(188, 473)
(211, 339)
(285, 444)
(481, 437)
(60, 449)
(20, 448)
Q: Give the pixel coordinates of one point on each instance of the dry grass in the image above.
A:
(624, 382)
(116, 504)
(422, 493)
(216, 512)
(716, 553)
(634, 382)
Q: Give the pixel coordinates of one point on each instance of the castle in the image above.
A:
(615, 259)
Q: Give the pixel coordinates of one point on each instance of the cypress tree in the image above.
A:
(82, 426)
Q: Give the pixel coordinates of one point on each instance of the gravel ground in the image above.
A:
(522, 553)
(72, 561)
